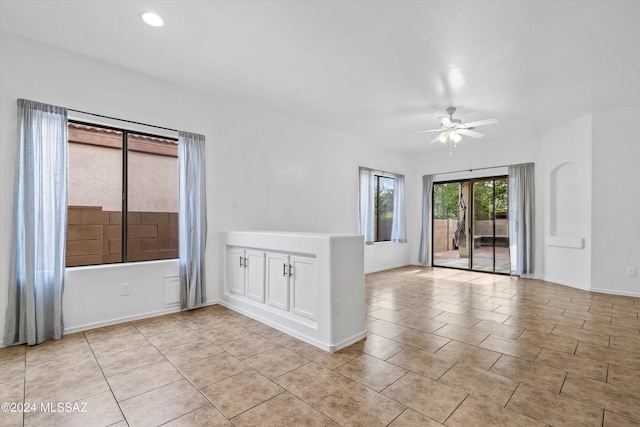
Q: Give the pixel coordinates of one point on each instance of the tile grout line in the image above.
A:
(513, 394)
(566, 375)
(124, 418)
(454, 411)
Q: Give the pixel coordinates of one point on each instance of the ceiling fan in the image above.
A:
(451, 129)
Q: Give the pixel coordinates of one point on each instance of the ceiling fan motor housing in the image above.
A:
(454, 122)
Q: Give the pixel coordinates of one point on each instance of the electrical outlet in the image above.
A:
(632, 272)
(338, 306)
(126, 289)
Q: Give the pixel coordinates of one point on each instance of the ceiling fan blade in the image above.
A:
(436, 139)
(445, 121)
(478, 123)
(430, 130)
(471, 133)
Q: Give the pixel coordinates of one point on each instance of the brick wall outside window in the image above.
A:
(94, 236)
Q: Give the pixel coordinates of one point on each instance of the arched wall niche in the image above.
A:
(565, 221)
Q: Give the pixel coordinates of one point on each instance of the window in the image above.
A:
(123, 196)
(381, 212)
(383, 207)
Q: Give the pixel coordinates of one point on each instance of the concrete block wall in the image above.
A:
(152, 235)
(443, 231)
(94, 236)
(85, 235)
(485, 227)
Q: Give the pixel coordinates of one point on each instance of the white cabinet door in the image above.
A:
(236, 270)
(277, 280)
(303, 287)
(255, 275)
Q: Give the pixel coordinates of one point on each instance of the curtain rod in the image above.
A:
(121, 120)
(471, 170)
(381, 171)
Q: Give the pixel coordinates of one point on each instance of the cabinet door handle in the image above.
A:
(246, 264)
(284, 269)
(290, 270)
(240, 261)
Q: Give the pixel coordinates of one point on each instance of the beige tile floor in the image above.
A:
(445, 347)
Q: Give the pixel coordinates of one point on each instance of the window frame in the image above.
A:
(376, 206)
(125, 185)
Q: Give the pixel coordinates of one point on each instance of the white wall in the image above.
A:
(264, 170)
(94, 297)
(385, 255)
(566, 176)
(615, 226)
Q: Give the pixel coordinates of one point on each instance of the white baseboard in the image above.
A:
(388, 267)
(566, 283)
(101, 324)
(616, 292)
(591, 289)
(347, 342)
(296, 334)
(109, 322)
(281, 328)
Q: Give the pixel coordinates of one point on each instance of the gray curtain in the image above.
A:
(521, 218)
(192, 221)
(399, 224)
(34, 304)
(424, 257)
(365, 205)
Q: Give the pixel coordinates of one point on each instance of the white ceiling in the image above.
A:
(373, 69)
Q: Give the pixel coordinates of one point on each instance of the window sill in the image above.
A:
(119, 264)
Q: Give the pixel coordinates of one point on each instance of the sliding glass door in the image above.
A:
(450, 236)
(470, 220)
(490, 222)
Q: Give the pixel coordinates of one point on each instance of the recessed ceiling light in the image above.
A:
(152, 19)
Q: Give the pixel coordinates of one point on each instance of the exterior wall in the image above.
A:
(443, 231)
(153, 183)
(94, 236)
(100, 185)
(152, 235)
(485, 227)
(95, 171)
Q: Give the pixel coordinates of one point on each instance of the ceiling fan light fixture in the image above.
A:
(443, 137)
(454, 136)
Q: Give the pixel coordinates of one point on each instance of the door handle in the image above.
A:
(284, 269)
(240, 261)
(246, 262)
(290, 270)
